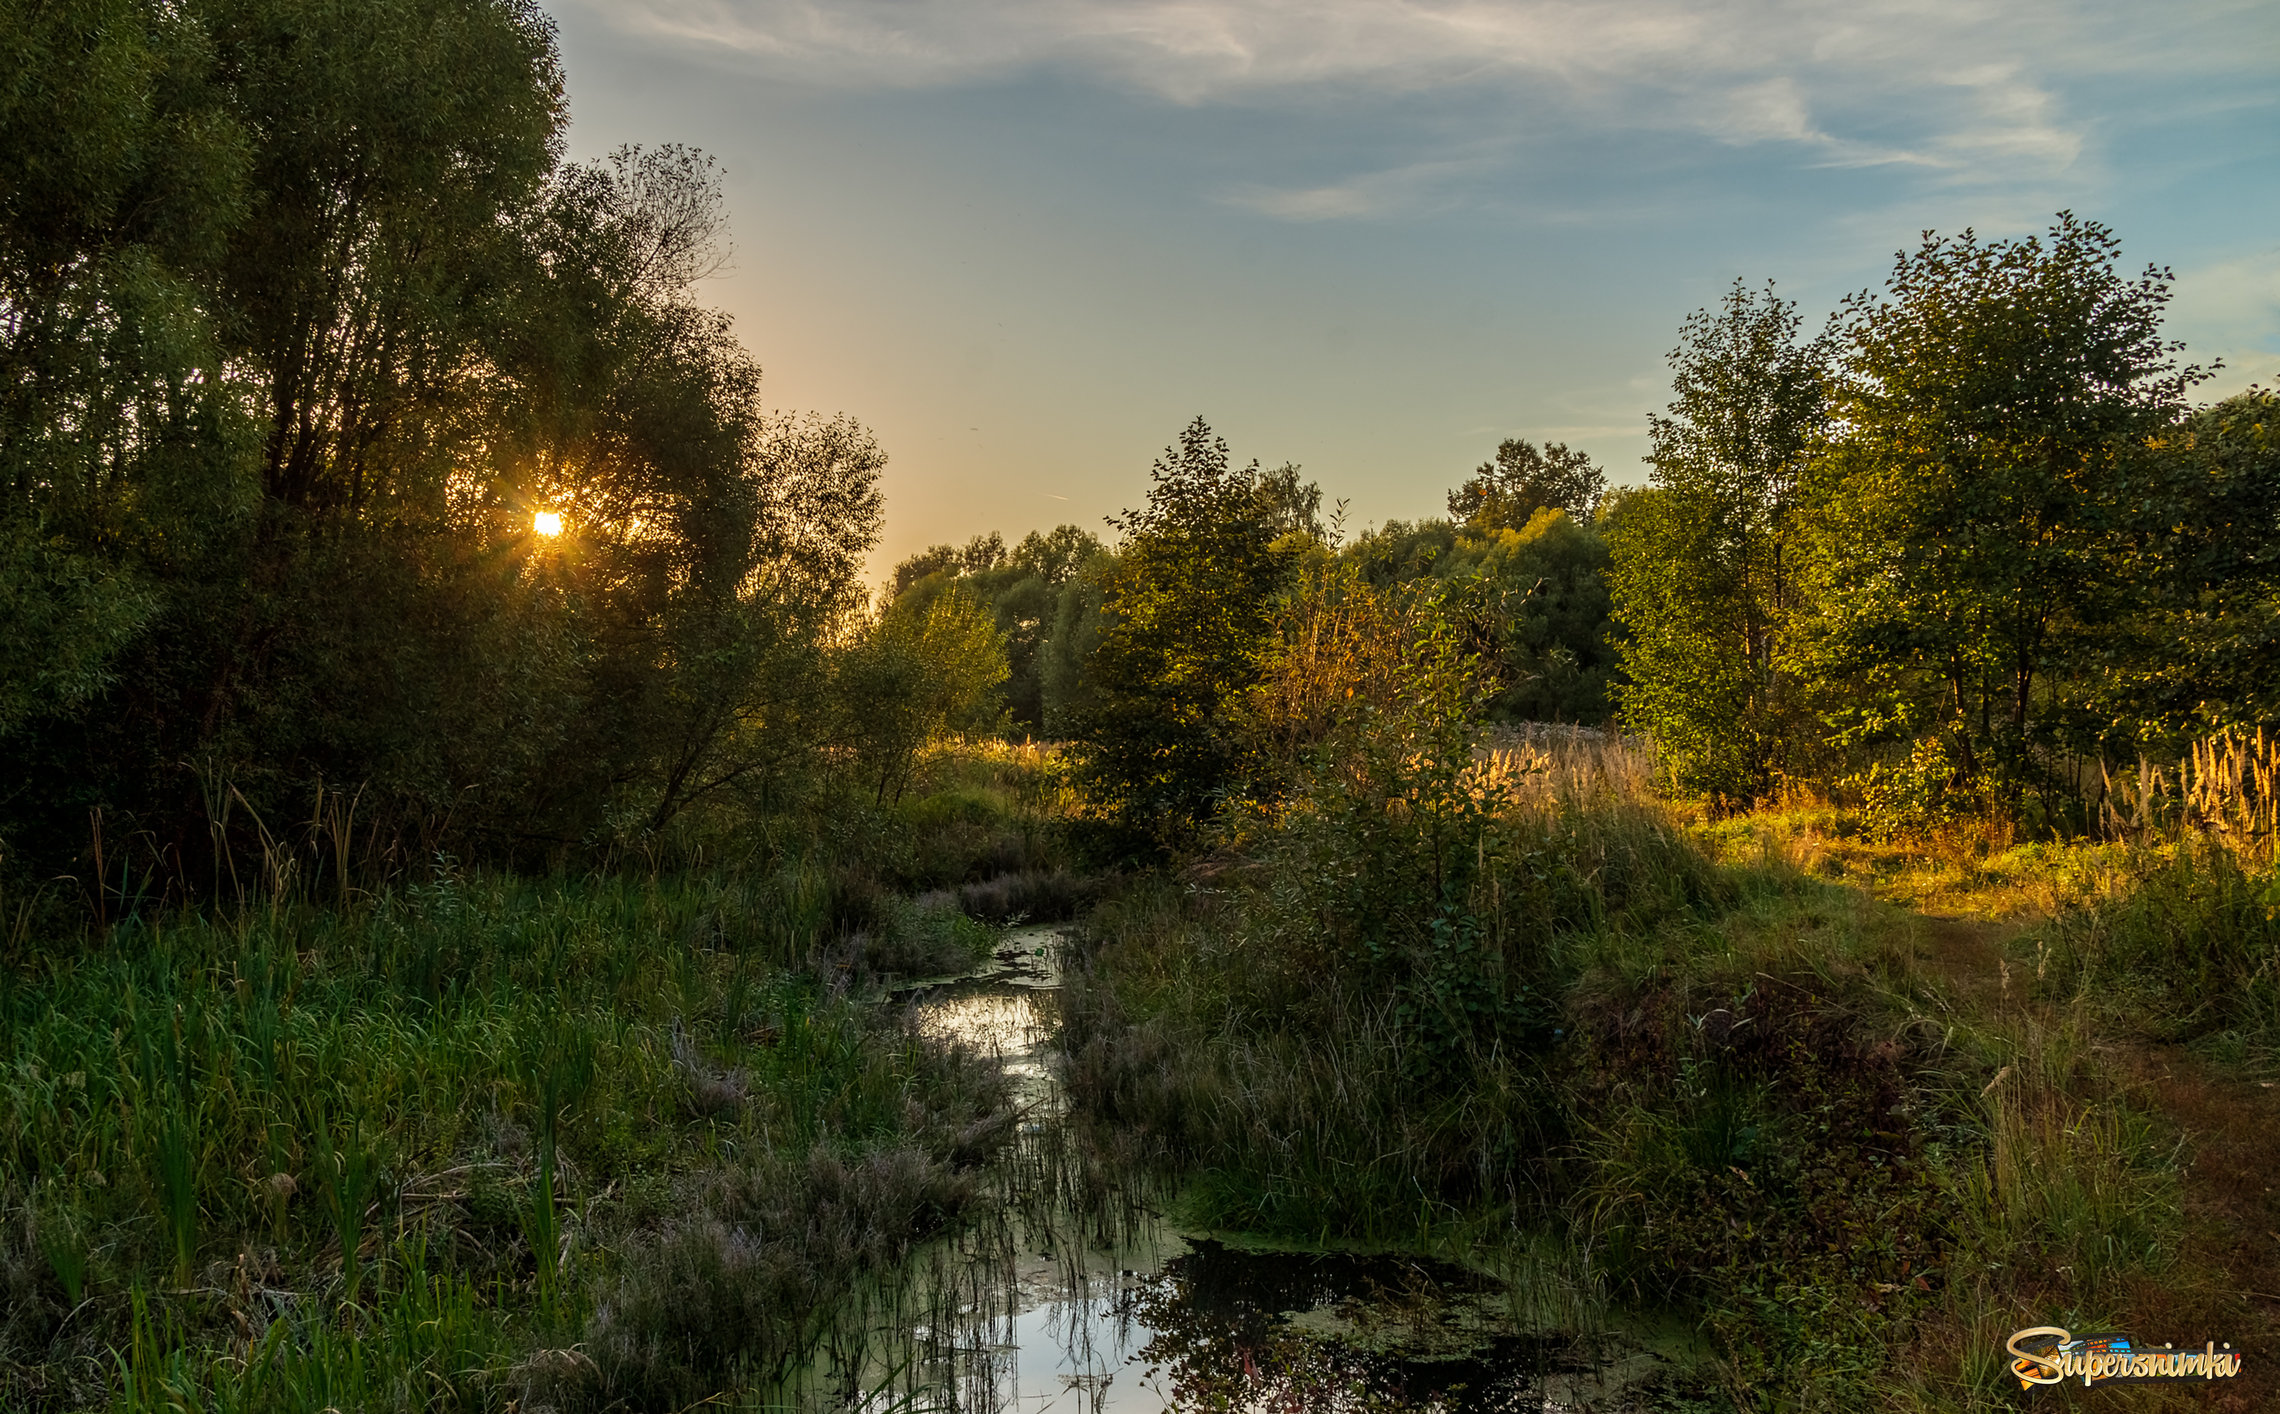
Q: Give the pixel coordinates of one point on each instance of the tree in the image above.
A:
(121, 172)
(1056, 556)
(1549, 638)
(1024, 588)
(1291, 506)
(1704, 575)
(1505, 493)
(2204, 565)
(1998, 410)
(301, 318)
(1064, 687)
(1190, 606)
(1532, 601)
(923, 670)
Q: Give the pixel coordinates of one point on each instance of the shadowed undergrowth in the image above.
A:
(1542, 1028)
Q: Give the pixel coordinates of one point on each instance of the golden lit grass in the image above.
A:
(1969, 870)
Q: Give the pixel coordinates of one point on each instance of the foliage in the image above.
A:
(303, 317)
(1031, 589)
(1291, 506)
(1507, 492)
(1705, 570)
(1535, 600)
(929, 666)
(1402, 550)
(2000, 408)
(1064, 694)
(1543, 618)
(1189, 601)
(2203, 646)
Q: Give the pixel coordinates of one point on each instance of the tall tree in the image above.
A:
(1999, 406)
(301, 319)
(1506, 492)
(1190, 606)
(1705, 565)
(122, 171)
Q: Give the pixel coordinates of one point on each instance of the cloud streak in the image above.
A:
(1966, 92)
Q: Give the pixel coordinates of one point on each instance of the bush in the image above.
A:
(1346, 1031)
(2185, 944)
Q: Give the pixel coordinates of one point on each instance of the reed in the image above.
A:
(396, 1146)
(2226, 785)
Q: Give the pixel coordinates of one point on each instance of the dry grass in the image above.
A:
(1548, 761)
(2226, 785)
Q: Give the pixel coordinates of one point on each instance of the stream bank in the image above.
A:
(1109, 1307)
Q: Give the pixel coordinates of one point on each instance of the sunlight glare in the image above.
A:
(547, 523)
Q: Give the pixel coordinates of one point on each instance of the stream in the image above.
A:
(1129, 1315)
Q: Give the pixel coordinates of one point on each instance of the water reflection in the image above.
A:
(1056, 1313)
(1222, 1329)
(1008, 1008)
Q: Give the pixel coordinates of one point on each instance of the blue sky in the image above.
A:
(1027, 240)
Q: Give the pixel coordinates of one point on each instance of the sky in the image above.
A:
(1027, 241)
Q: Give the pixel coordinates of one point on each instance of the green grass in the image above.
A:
(636, 1142)
(2180, 943)
(389, 1157)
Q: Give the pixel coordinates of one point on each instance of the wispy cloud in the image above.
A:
(1413, 189)
(1968, 92)
(2232, 307)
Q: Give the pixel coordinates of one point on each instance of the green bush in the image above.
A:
(2185, 944)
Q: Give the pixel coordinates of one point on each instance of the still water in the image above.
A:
(1136, 1317)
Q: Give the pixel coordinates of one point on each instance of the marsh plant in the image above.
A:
(395, 1156)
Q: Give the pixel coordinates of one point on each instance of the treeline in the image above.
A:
(1523, 546)
(373, 471)
(1960, 550)
(1959, 553)
(308, 335)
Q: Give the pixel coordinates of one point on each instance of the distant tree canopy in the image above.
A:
(929, 665)
(1534, 600)
(302, 320)
(1290, 505)
(1045, 601)
(1505, 493)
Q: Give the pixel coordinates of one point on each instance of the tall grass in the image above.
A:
(386, 1157)
(2226, 785)
(2181, 943)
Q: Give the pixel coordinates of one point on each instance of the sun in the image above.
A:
(547, 523)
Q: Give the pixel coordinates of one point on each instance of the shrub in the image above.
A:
(772, 1257)
(2185, 944)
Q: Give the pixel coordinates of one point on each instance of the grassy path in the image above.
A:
(2225, 1284)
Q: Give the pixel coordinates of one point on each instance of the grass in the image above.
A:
(1771, 1074)
(1850, 1108)
(473, 1141)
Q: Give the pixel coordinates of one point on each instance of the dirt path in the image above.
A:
(2227, 1282)
(2232, 1132)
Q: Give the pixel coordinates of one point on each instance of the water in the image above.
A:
(1118, 1313)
